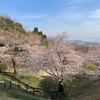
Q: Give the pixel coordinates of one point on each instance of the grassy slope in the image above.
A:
(91, 92)
(14, 94)
(17, 95)
(81, 89)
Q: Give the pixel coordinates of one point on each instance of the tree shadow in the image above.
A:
(50, 86)
(13, 91)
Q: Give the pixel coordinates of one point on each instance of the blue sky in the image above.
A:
(79, 18)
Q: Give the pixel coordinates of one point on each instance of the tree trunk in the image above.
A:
(14, 66)
(60, 88)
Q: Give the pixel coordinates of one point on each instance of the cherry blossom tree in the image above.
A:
(58, 59)
(33, 39)
(93, 55)
(12, 51)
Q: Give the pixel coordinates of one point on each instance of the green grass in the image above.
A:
(77, 89)
(18, 95)
(76, 86)
(32, 80)
(84, 89)
(14, 93)
(91, 93)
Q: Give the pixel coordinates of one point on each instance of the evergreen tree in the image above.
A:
(40, 33)
(35, 30)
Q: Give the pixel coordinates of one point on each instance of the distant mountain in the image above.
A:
(84, 42)
(96, 39)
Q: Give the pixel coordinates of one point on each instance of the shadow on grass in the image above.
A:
(20, 94)
(14, 90)
(50, 86)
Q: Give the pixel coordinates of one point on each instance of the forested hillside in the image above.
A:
(53, 68)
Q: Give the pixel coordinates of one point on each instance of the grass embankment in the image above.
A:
(84, 89)
(77, 89)
(14, 93)
(17, 95)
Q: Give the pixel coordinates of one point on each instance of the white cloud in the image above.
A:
(95, 14)
(91, 22)
(72, 15)
(32, 16)
(84, 31)
(77, 1)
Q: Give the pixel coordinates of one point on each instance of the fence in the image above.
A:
(18, 85)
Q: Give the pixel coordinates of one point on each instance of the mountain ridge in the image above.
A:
(84, 42)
